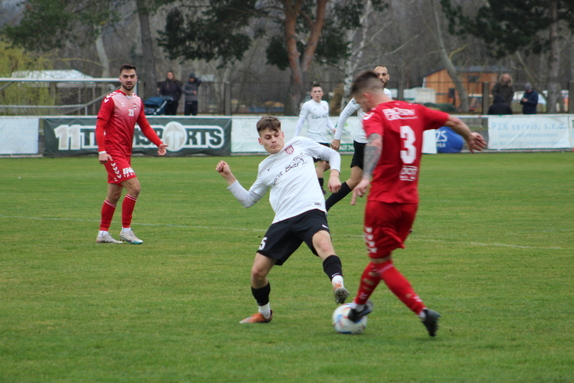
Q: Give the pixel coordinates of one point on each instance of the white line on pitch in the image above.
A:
(412, 238)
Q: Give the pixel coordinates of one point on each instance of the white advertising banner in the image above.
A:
(529, 132)
(19, 135)
(244, 134)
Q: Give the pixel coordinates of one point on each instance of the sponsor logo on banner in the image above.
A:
(176, 135)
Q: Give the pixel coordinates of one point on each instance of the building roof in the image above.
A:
(476, 69)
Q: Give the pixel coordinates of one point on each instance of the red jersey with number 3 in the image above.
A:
(122, 112)
(395, 178)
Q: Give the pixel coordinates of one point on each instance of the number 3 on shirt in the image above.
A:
(409, 151)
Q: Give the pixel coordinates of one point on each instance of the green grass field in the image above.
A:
(492, 251)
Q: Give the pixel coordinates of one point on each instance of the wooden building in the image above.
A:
(472, 77)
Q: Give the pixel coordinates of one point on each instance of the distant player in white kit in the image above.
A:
(316, 113)
(299, 208)
(359, 141)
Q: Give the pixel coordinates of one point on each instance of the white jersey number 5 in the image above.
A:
(409, 152)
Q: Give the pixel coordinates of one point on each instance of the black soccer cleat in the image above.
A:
(356, 316)
(431, 321)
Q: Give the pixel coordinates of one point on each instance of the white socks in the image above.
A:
(337, 280)
(265, 310)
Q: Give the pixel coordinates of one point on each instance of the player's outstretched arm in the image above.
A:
(474, 140)
(225, 171)
(161, 150)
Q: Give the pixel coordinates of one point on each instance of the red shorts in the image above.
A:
(387, 226)
(119, 169)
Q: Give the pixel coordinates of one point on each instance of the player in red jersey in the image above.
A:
(119, 113)
(392, 158)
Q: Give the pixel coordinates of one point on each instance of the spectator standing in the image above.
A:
(504, 88)
(170, 89)
(499, 106)
(190, 90)
(529, 100)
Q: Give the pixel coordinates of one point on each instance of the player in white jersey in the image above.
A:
(299, 207)
(359, 141)
(316, 113)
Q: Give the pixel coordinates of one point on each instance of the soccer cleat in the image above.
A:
(130, 237)
(341, 293)
(258, 318)
(431, 321)
(356, 316)
(107, 238)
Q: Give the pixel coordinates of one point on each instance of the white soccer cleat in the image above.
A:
(106, 238)
(341, 293)
(130, 237)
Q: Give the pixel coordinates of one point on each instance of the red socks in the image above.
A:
(127, 210)
(107, 214)
(369, 281)
(394, 280)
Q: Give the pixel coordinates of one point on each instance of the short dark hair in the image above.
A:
(315, 85)
(127, 67)
(268, 122)
(365, 81)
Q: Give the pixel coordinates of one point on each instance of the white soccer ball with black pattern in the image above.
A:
(343, 325)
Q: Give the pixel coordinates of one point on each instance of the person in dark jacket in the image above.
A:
(499, 106)
(529, 100)
(191, 99)
(170, 89)
(504, 88)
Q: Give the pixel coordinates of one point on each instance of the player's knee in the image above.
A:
(258, 274)
(323, 245)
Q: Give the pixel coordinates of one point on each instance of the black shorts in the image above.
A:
(324, 144)
(359, 155)
(284, 237)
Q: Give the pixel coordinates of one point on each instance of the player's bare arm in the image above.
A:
(373, 151)
(104, 157)
(225, 171)
(334, 181)
(474, 140)
(335, 144)
(161, 150)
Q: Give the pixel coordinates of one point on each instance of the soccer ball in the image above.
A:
(343, 325)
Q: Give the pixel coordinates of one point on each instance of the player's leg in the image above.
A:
(275, 248)
(320, 170)
(260, 289)
(107, 214)
(346, 187)
(386, 228)
(356, 175)
(133, 188)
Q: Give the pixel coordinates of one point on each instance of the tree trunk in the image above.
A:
(463, 96)
(147, 73)
(553, 61)
(352, 64)
(102, 55)
(299, 65)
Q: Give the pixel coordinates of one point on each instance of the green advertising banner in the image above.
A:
(73, 136)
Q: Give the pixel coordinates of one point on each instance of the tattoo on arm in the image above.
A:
(373, 151)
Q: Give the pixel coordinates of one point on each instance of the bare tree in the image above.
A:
(446, 59)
